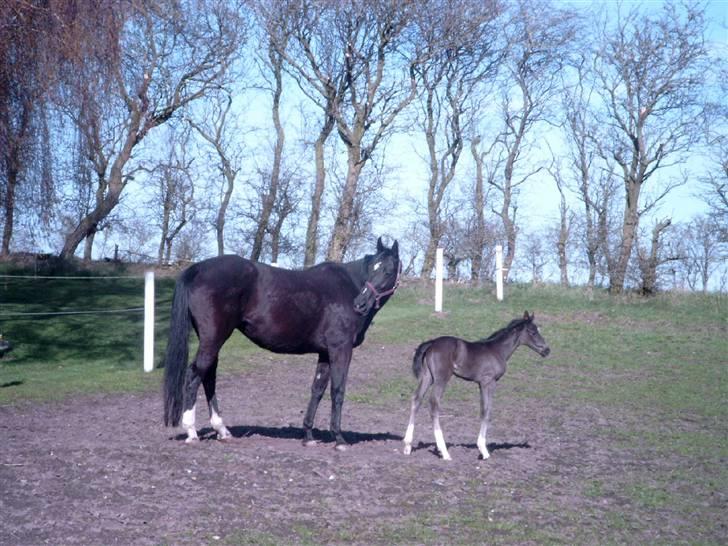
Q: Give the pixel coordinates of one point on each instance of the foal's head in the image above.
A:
(531, 337)
(382, 278)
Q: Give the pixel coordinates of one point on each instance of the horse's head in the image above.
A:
(531, 336)
(382, 278)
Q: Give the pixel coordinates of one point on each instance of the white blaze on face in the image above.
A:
(377, 266)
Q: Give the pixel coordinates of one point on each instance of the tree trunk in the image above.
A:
(270, 196)
(629, 232)
(478, 238)
(343, 224)
(649, 264)
(311, 249)
(9, 208)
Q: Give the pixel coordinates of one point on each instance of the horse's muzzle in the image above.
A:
(363, 303)
(545, 352)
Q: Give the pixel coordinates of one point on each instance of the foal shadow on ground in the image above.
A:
(492, 446)
(293, 433)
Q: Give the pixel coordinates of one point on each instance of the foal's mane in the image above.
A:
(503, 332)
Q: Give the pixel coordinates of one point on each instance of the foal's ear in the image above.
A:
(395, 249)
(380, 246)
(526, 317)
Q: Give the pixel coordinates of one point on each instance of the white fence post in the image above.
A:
(149, 321)
(499, 272)
(438, 281)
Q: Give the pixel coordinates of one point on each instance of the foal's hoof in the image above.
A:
(309, 443)
(407, 449)
(190, 440)
(340, 447)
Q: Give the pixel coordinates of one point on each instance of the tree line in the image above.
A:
(267, 126)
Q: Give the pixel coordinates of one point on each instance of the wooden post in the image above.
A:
(438, 281)
(149, 321)
(499, 272)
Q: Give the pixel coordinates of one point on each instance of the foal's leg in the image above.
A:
(215, 417)
(425, 382)
(437, 392)
(486, 401)
(320, 382)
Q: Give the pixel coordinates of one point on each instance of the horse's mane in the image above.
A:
(503, 332)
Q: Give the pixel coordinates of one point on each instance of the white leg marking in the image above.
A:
(222, 432)
(188, 423)
(481, 443)
(408, 438)
(440, 441)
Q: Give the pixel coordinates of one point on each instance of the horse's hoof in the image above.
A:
(407, 450)
(446, 458)
(340, 447)
(309, 443)
(224, 434)
(192, 440)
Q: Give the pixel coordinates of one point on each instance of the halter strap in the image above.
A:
(379, 295)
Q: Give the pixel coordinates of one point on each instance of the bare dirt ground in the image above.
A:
(101, 469)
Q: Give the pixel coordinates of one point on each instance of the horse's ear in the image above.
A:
(380, 246)
(395, 249)
(526, 317)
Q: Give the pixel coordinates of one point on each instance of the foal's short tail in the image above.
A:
(419, 358)
(175, 360)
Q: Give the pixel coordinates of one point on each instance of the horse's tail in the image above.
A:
(175, 359)
(419, 358)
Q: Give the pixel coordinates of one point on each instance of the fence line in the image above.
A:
(71, 278)
(59, 313)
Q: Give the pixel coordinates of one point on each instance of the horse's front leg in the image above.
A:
(340, 360)
(487, 389)
(318, 387)
(215, 416)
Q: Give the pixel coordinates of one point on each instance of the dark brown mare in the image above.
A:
(484, 362)
(325, 309)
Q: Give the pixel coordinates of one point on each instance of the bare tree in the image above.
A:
(174, 195)
(158, 57)
(457, 60)
(301, 32)
(650, 259)
(702, 250)
(650, 73)
(715, 183)
(215, 130)
(27, 45)
(563, 233)
(379, 83)
(540, 35)
(273, 71)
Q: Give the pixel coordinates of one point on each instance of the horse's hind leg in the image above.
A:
(196, 373)
(486, 401)
(425, 382)
(437, 392)
(215, 417)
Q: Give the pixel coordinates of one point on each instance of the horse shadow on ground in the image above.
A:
(492, 446)
(294, 433)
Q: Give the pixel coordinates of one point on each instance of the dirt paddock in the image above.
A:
(101, 469)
